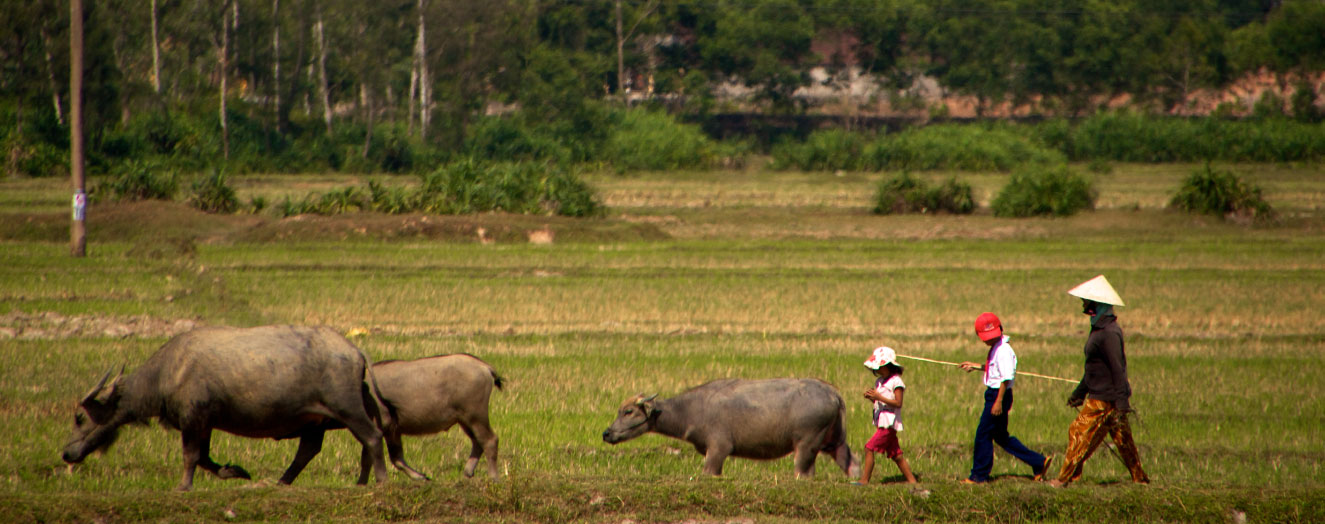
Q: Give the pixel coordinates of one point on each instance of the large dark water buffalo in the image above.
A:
(758, 419)
(431, 394)
(274, 382)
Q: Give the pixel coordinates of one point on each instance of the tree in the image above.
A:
(764, 45)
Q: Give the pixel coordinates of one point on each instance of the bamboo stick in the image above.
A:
(1027, 373)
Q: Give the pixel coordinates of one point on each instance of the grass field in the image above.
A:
(691, 277)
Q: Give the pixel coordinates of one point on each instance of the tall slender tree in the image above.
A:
(319, 36)
(156, 53)
(421, 66)
(223, 62)
(276, 62)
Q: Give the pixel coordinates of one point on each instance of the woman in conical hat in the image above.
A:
(1104, 393)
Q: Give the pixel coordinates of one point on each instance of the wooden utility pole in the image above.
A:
(78, 228)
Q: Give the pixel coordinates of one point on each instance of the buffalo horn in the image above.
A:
(92, 394)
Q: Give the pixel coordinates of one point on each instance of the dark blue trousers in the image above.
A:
(995, 429)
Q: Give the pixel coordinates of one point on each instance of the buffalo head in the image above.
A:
(636, 417)
(97, 420)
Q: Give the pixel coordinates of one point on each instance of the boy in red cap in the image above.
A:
(1000, 367)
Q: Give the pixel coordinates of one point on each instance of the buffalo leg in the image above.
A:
(370, 437)
(714, 457)
(395, 446)
(195, 443)
(482, 441)
(197, 446)
(805, 457)
(228, 471)
(310, 444)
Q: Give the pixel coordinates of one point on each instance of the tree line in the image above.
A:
(388, 84)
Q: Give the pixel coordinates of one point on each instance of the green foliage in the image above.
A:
(944, 146)
(211, 194)
(1269, 105)
(654, 140)
(827, 150)
(471, 187)
(512, 139)
(1222, 194)
(1303, 103)
(964, 147)
(1133, 137)
(138, 180)
(1044, 191)
(464, 187)
(905, 193)
(760, 44)
(23, 156)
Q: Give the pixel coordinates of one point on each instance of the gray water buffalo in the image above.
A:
(274, 382)
(431, 394)
(758, 419)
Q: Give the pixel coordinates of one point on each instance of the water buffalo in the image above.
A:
(758, 419)
(431, 394)
(266, 382)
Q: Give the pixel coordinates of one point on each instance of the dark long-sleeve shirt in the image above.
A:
(1106, 366)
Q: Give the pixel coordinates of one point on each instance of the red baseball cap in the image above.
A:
(988, 327)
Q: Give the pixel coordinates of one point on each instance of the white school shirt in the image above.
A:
(1002, 367)
(886, 416)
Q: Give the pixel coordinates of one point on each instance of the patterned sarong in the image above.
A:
(1095, 419)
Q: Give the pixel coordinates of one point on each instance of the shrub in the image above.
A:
(1033, 191)
(1269, 105)
(139, 180)
(1303, 103)
(20, 155)
(954, 197)
(212, 195)
(471, 187)
(827, 150)
(951, 146)
(1220, 193)
(512, 139)
(653, 140)
(905, 193)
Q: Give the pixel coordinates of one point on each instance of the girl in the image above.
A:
(887, 397)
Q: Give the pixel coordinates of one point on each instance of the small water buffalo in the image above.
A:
(431, 394)
(266, 382)
(758, 419)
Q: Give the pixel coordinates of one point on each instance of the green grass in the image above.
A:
(778, 275)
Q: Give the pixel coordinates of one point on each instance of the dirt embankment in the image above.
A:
(54, 326)
(175, 223)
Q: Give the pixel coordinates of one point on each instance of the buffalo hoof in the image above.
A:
(231, 471)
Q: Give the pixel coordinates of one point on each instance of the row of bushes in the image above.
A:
(463, 187)
(1114, 136)
(624, 140)
(1060, 191)
(189, 140)
(472, 186)
(960, 147)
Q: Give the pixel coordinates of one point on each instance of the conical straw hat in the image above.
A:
(1097, 289)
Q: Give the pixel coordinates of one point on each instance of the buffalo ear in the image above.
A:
(650, 408)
